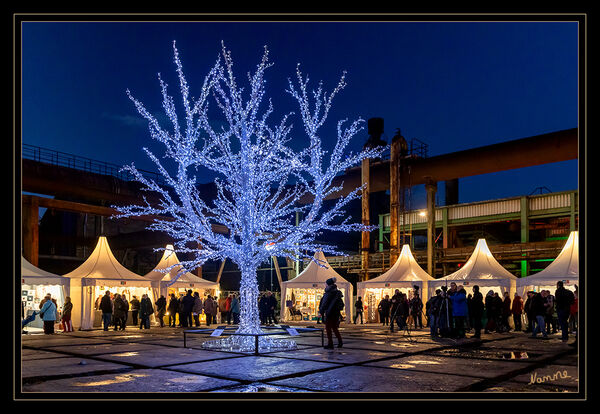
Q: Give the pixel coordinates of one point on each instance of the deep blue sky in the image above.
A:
(452, 85)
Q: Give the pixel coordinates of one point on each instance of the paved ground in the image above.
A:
(372, 360)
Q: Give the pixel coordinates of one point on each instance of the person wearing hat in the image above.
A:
(330, 308)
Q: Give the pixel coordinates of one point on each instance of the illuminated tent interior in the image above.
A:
(306, 289)
(403, 275)
(483, 270)
(565, 267)
(101, 272)
(35, 284)
(164, 283)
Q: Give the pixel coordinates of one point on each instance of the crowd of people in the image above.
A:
(399, 310)
(183, 311)
(451, 312)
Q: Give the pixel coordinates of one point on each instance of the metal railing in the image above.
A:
(380, 261)
(63, 159)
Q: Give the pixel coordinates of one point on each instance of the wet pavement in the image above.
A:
(372, 360)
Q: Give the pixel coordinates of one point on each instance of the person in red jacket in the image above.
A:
(517, 311)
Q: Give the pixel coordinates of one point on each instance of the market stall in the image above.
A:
(99, 273)
(481, 269)
(403, 275)
(35, 284)
(565, 267)
(304, 292)
(166, 282)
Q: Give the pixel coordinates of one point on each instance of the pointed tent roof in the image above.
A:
(102, 265)
(31, 274)
(314, 273)
(315, 277)
(564, 267)
(406, 269)
(168, 259)
(481, 267)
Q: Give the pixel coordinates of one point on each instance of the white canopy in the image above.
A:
(167, 279)
(406, 272)
(565, 267)
(314, 277)
(102, 268)
(33, 275)
(481, 269)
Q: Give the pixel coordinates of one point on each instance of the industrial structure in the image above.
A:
(77, 194)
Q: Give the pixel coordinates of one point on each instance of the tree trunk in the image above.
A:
(249, 318)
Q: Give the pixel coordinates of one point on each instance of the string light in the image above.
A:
(260, 179)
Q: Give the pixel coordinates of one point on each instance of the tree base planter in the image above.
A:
(257, 343)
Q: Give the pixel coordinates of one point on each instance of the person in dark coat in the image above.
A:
(107, 309)
(270, 308)
(330, 307)
(564, 299)
(477, 311)
(469, 319)
(118, 312)
(135, 309)
(263, 309)
(538, 310)
(506, 311)
(358, 306)
(394, 305)
(529, 313)
(498, 303)
(146, 310)
(161, 309)
(173, 308)
(490, 312)
(433, 309)
(400, 310)
(416, 308)
(550, 310)
(445, 326)
(197, 308)
(384, 310)
(187, 305)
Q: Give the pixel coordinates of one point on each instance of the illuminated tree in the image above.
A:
(259, 178)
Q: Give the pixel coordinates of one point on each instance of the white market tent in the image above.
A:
(403, 275)
(162, 281)
(33, 275)
(483, 270)
(565, 267)
(35, 283)
(310, 285)
(101, 271)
